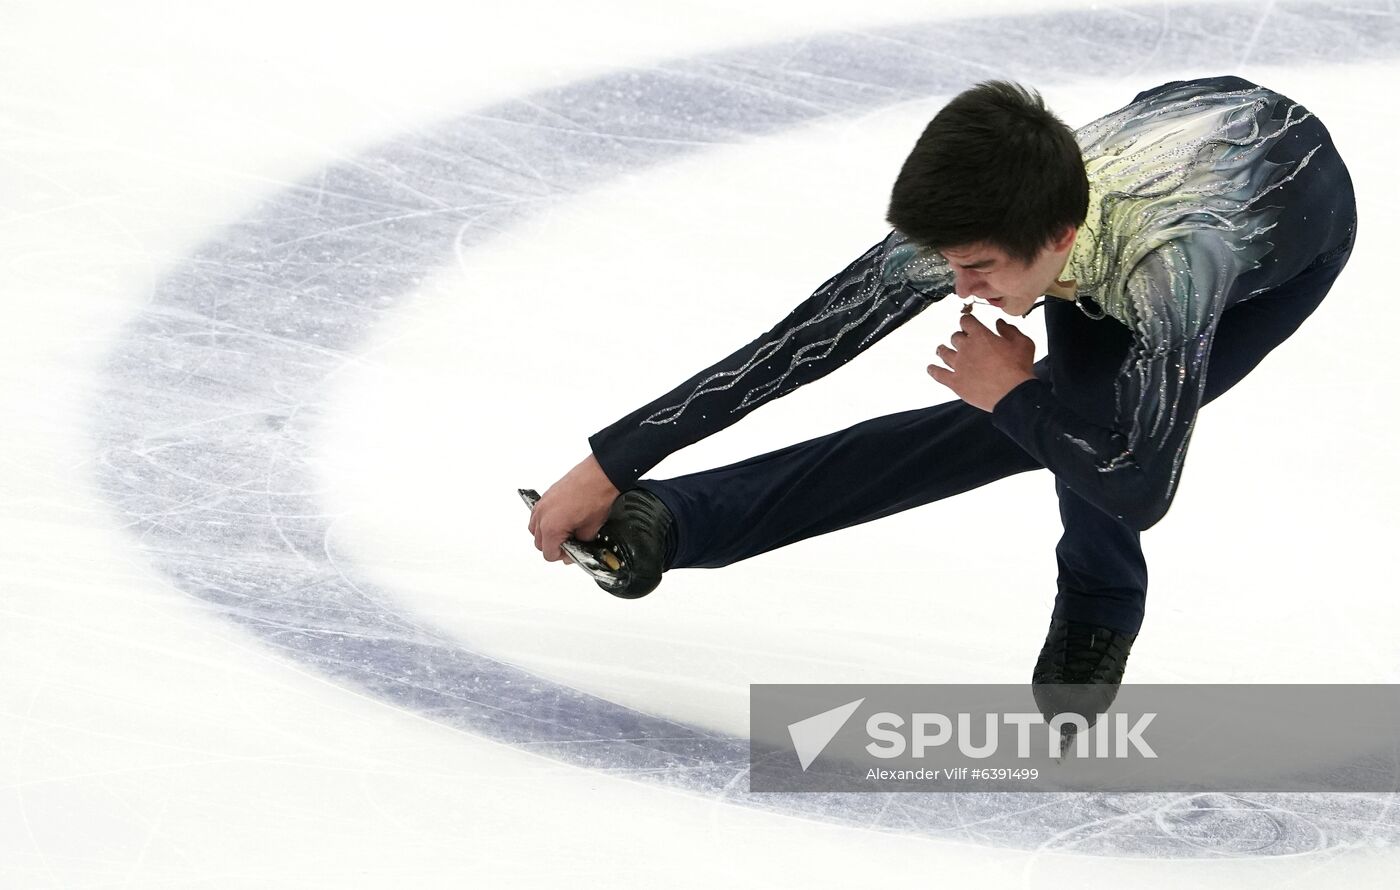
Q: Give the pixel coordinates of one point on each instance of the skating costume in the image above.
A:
(1220, 213)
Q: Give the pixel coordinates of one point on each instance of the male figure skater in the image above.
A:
(1176, 241)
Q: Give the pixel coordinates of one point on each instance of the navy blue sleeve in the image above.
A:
(1136, 485)
(850, 312)
(1131, 470)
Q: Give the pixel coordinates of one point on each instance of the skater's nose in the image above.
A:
(968, 283)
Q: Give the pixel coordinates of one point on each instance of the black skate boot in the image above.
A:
(637, 532)
(1079, 671)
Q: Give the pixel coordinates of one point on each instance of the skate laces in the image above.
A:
(1082, 653)
(640, 516)
(643, 508)
(637, 532)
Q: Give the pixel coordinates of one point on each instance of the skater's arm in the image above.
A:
(1131, 470)
(846, 315)
(1135, 484)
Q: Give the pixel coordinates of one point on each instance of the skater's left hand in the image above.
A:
(984, 366)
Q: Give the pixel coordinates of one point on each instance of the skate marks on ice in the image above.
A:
(210, 395)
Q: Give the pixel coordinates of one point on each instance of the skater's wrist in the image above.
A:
(613, 467)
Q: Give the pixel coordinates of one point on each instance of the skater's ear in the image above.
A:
(1064, 239)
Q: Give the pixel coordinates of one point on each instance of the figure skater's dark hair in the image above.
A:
(994, 166)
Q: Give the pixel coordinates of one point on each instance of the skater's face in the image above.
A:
(986, 271)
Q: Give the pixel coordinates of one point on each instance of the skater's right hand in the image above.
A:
(576, 505)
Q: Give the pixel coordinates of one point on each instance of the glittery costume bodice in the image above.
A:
(1182, 172)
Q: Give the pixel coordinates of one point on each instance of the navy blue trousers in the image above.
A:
(892, 463)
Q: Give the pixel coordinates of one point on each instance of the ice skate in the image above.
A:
(1079, 671)
(627, 557)
(636, 532)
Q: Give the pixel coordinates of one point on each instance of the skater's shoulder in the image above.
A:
(904, 262)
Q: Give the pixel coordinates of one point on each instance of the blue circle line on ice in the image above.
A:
(209, 396)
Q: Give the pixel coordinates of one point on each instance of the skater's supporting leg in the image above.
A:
(1103, 575)
(873, 469)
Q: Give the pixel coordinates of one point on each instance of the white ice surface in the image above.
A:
(147, 741)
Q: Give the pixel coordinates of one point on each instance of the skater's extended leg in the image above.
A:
(873, 469)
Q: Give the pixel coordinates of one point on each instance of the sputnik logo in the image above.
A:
(811, 736)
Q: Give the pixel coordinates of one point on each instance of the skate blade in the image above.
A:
(1066, 740)
(599, 562)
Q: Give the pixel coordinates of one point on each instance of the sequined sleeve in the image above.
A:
(886, 286)
(1175, 297)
